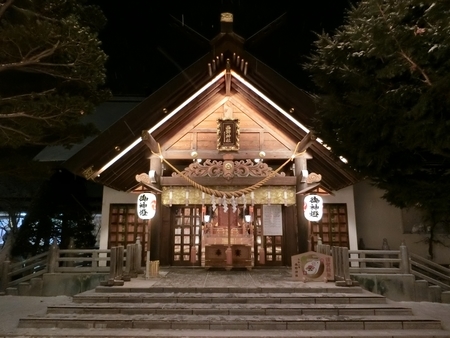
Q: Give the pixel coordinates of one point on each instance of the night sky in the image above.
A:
(146, 46)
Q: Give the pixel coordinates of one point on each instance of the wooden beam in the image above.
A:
(149, 141)
(219, 181)
(228, 78)
(241, 155)
(306, 142)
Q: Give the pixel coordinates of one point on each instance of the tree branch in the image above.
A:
(30, 61)
(33, 117)
(414, 65)
(27, 137)
(5, 6)
(40, 16)
(30, 95)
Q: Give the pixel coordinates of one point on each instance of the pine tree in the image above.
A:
(384, 99)
(61, 210)
(51, 71)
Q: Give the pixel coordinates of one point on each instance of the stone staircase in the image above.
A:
(229, 312)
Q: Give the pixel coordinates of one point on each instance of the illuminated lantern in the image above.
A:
(146, 205)
(313, 208)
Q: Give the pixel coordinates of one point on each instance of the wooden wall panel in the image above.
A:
(246, 122)
(249, 141)
(271, 143)
(184, 143)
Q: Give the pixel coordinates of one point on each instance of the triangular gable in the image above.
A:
(255, 132)
(315, 188)
(264, 98)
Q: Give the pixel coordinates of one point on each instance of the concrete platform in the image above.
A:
(239, 299)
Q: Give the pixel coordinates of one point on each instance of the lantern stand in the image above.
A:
(146, 209)
(148, 262)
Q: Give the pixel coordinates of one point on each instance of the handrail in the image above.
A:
(23, 271)
(347, 261)
(379, 261)
(71, 261)
(388, 262)
(81, 260)
(54, 260)
(430, 271)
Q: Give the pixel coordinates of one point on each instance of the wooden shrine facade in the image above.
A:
(226, 148)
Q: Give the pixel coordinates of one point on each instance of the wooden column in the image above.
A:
(302, 222)
(156, 165)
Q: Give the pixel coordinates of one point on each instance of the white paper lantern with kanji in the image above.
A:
(146, 206)
(313, 208)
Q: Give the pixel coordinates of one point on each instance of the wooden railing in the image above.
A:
(23, 271)
(341, 265)
(72, 261)
(347, 262)
(379, 261)
(431, 272)
(77, 260)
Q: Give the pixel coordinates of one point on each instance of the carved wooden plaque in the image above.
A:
(228, 134)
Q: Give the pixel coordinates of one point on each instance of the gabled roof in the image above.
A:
(228, 72)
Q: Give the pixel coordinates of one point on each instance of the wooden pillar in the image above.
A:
(155, 228)
(53, 254)
(302, 222)
(4, 277)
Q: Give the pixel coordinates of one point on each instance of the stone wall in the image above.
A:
(398, 287)
(69, 284)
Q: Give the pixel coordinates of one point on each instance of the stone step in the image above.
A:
(230, 322)
(236, 298)
(197, 333)
(129, 288)
(165, 312)
(231, 309)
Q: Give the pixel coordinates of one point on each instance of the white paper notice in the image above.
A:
(272, 220)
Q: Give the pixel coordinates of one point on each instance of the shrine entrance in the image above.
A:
(223, 238)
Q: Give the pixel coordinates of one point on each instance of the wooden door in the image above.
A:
(333, 227)
(186, 236)
(268, 249)
(125, 227)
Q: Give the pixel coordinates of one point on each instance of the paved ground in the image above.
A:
(14, 307)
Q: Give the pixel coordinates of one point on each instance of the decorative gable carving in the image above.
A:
(228, 169)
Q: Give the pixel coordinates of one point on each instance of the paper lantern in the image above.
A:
(313, 208)
(146, 205)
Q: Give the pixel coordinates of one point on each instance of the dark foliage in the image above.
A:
(384, 99)
(60, 211)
